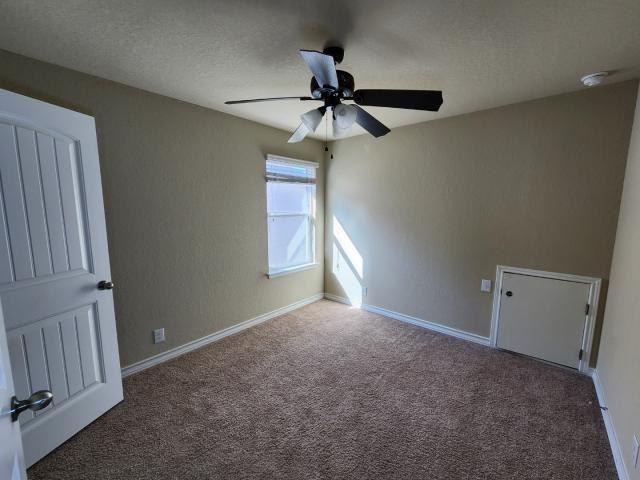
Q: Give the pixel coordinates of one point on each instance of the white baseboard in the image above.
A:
(436, 327)
(214, 337)
(454, 332)
(611, 433)
(336, 298)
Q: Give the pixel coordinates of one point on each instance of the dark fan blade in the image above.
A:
(254, 100)
(412, 99)
(369, 123)
(322, 66)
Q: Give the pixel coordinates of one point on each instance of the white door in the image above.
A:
(53, 254)
(543, 317)
(11, 459)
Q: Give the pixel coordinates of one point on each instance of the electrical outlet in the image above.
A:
(485, 286)
(158, 335)
(634, 451)
(365, 291)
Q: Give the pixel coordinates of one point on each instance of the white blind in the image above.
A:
(289, 170)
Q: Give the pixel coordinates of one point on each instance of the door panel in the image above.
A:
(60, 353)
(543, 317)
(19, 262)
(53, 253)
(43, 206)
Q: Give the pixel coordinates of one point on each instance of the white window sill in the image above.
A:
(286, 271)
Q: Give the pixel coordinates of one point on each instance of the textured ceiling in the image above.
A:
(482, 54)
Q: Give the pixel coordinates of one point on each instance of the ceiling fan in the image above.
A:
(332, 87)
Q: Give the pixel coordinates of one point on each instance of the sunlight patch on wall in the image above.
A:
(350, 250)
(347, 264)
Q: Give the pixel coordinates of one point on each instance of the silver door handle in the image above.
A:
(39, 400)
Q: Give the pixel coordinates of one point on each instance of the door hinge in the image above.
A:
(586, 309)
(580, 354)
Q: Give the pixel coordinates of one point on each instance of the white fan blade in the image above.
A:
(301, 132)
(322, 66)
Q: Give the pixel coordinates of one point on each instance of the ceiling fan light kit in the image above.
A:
(344, 116)
(333, 86)
(313, 118)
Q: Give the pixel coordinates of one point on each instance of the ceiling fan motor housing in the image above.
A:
(346, 86)
(336, 52)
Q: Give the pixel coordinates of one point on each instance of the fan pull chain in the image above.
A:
(326, 129)
(326, 134)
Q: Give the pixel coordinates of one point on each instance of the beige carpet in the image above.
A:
(330, 391)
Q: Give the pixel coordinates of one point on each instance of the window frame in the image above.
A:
(310, 216)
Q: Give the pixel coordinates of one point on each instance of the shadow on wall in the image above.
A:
(347, 265)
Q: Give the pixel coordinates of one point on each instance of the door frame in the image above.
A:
(590, 318)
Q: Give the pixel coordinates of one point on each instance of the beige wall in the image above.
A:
(433, 208)
(184, 195)
(430, 208)
(619, 360)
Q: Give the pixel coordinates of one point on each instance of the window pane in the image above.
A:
(289, 241)
(289, 197)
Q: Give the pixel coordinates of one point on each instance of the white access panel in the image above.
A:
(543, 317)
(60, 327)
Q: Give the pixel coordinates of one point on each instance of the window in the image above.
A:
(291, 208)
